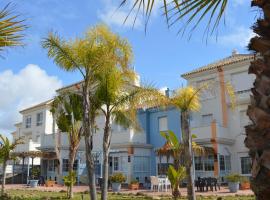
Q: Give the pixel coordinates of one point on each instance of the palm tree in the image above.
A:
(257, 134)
(67, 110)
(11, 28)
(176, 150)
(88, 55)
(120, 101)
(187, 100)
(6, 149)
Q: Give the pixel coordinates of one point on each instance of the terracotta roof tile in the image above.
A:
(225, 61)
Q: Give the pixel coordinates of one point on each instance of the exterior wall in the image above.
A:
(230, 136)
(34, 134)
(149, 120)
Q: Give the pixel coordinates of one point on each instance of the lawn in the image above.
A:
(39, 195)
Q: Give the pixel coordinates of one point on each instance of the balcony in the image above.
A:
(211, 133)
(48, 141)
(242, 97)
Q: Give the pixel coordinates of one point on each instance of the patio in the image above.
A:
(224, 191)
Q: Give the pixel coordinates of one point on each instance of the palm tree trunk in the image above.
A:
(4, 177)
(258, 133)
(72, 154)
(88, 142)
(188, 154)
(106, 149)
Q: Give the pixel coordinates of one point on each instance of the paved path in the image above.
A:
(223, 192)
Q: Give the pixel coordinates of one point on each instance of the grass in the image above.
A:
(40, 195)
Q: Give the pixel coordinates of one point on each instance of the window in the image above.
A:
(209, 163)
(207, 92)
(28, 122)
(242, 81)
(115, 163)
(65, 165)
(39, 118)
(221, 162)
(245, 165)
(75, 165)
(198, 163)
(97, 167)
(207, 119)
(141, 167)
(51, 166)
(162, 123)
(228, 163)
(163, 168)
(141, 164)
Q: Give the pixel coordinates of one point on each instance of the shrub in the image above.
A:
(117, 178)
(244, 179)
(233, 178)
(134, 181)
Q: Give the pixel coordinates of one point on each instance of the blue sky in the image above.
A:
(27, 76)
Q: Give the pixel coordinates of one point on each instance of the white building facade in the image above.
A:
(219, 124)
(216, 125)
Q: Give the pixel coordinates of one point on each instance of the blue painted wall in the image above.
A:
(149, 122)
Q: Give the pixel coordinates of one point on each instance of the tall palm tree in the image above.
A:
(120, 100)
(67, 110)
(87, 55)
(11, 28)
(187, 100)
(257, 134)
(6, 149)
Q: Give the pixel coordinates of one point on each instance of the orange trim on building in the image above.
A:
(215, 145)
(223, 97)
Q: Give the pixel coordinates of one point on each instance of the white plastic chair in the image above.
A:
(155, 184)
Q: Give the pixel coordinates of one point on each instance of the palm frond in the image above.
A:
(188, 11)
(187, 99)
(11, 28)
(61, 52)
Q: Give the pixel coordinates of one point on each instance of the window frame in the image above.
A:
(159, 123)
(28, 121)
(209, 163)
(207, 115)
(51, 165)
(241, 166)
(200, 163)
(39, 122)
(115, 163)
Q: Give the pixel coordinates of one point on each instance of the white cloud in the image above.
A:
(238, 38)
(112, 15)
(238, 2)
(31, 85)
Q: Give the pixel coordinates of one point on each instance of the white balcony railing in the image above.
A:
(206, 134)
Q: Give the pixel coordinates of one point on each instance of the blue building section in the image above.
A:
(154, 120)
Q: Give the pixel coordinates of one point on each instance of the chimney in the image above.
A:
(234, 52)
(167, 92)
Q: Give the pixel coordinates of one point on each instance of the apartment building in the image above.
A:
(216, 125)
(219, 124)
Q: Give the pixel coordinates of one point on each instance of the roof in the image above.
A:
(69, 86)
(38, 105)
(234, 58)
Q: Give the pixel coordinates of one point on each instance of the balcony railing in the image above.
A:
(211, 133)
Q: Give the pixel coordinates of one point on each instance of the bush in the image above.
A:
(134, 181)
(117, 178)
(233, 178)
(244, 179)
